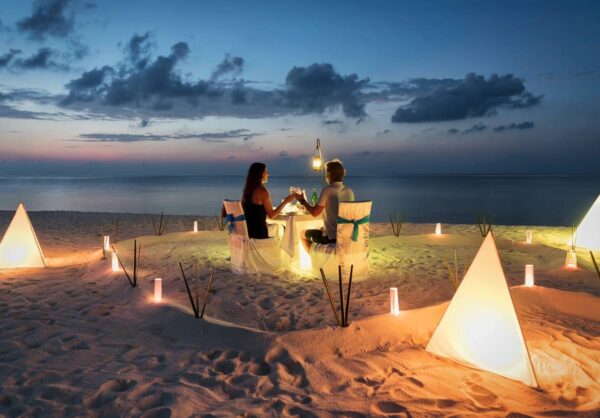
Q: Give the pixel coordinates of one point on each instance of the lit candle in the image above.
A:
(157, 290)
(528, 275)
(195, 226)
(438, 229)
(115, 262)
(106, 242)
(529, 236)
(394, 306)
(571, 261)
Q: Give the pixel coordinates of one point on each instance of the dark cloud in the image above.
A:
(472, 97)
(144, 123)
(332, 122)
(48, 18)
(384, 132)
(283, 154)
(478, 127)
(410, 88)
(232, 66)
(6, 59)
(244, 134)
(318, 87)
(43, 59)
(520, 126)
(453, 131)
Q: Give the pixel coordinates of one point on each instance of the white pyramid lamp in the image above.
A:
(588, 231)
(19, 246)
(480, 327)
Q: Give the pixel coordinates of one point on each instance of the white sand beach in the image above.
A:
(77, 340)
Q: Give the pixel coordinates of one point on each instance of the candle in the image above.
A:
(528, 275)
(394, 306)
(106, 242)
(529, 236)
(571, 260)
(438, 229)
(195, 226)
(115, 262)
(157, 290)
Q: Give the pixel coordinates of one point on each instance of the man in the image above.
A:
(328, 204)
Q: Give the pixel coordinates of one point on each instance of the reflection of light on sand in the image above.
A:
(491, 342)
(305, 261)
(15, 254)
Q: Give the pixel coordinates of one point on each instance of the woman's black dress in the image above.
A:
(256, 220)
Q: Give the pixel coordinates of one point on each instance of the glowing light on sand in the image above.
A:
(480, 327)
(528, 236)
(571, 260)
(394, 305)
(438, 229)
(529, 275)
(305, 261)
(195, 226)
(588, 231)
(106, 242)
(115, 262)
(157, 290)
(19, 246)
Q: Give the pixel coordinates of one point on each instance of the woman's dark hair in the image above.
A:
(253, 180)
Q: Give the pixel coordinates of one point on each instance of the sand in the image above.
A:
(77, 340)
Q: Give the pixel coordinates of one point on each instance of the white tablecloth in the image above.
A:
(295, 224)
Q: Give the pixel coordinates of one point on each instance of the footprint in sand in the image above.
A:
(390, 408)
(108, 392)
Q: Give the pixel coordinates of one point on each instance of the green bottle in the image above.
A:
(314, 198)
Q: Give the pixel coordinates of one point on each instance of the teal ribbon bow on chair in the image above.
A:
(356, 224)
(232, 220)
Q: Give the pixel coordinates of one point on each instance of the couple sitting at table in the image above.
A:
(256, 203)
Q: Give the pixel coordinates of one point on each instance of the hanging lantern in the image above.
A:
(571, 260)
(195, 226)
(529, 275)
(438, 229)
(157, 290)
(394, 306)
(115, 262)
(528, 236)
(317, 160)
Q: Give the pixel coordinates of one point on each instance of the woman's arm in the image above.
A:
(266, 201)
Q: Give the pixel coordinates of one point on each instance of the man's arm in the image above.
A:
(313, 210)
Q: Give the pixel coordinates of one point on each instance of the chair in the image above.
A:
(352, 242)
(249, 255)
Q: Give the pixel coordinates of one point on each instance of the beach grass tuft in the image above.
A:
(195, 299)
(344, 307)
(397, 225)
(595, 264)
(484, 225)
(137, 252)
(159, 227)
(220, 222)
(453, 271)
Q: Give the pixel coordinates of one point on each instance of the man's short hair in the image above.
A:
(336, 170)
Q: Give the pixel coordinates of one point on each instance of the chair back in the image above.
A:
(353, 227)
(235, 222)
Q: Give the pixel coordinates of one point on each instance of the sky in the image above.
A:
(117, 88)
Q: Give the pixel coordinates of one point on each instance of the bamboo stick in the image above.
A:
(341, 295)
(207, 293)
(348, 295)
(337, 319)
(195, 309)
(595, 264)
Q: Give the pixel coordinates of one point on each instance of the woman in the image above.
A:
(256, 201)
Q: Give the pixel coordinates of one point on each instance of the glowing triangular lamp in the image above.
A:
(588, 231)
(480, 328)
(19, 246)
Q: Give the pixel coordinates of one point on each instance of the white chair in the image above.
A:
(249, 255)
(352, 243)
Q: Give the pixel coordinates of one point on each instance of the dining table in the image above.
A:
(295, 222)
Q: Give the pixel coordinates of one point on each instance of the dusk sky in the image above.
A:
(390, 87)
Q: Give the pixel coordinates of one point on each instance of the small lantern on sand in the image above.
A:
(157, 290)
(106, 242)
(115, 262)
(195, 226)
(394, 306)
(571, 260)
(438, 229)
(529, 275)
(528, 236)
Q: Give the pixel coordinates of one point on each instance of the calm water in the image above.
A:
(516, 200)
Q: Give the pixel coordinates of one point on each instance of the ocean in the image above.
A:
(514, 199)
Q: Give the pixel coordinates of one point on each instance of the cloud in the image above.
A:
(318, 87)
(144, 123)
(6, 59)
(478, 127)
(520, 126)
(43, 59)
(48, 18)
(283, 154)
(474, 96)
(384, 132)
(332, 122)
(244, 134)
(230, 65)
